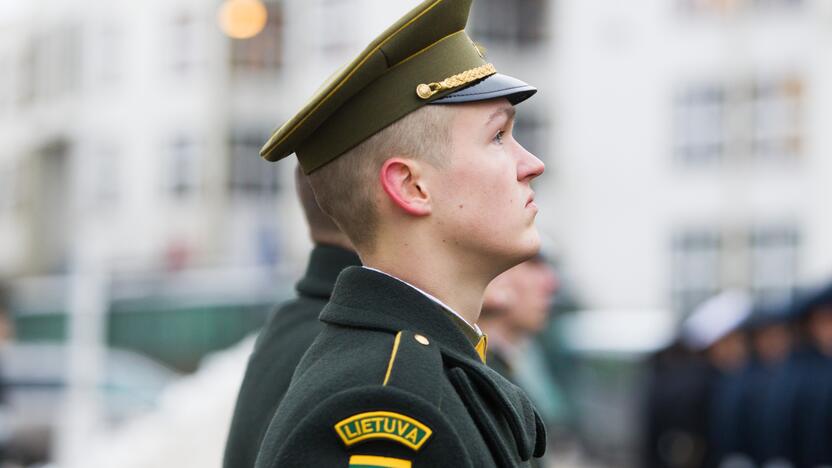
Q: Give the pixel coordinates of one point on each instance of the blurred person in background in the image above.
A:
(675, 411)
(694, 392)
(6, 318)
(814, 401)
(288, 332)
(780, 440)
(516, 308)
(6, 336)
(771, 340)
(724, 345)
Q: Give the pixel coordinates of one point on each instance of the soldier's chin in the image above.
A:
(528, 246)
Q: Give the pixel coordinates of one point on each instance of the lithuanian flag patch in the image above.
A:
(383, 425)
(371, 461)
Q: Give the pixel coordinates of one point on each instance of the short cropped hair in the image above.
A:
(347, 187)
(321, 226)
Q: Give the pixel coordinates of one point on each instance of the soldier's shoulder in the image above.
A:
(394, 417)
(344, 358)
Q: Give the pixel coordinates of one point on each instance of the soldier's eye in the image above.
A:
(498, 138)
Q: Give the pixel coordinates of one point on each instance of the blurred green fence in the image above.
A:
(176, 334)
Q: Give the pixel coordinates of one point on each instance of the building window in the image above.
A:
(699, 124)
(774, 260)
(249, 174)
(184, 47)
(776, 3)
(107, 174)
(107, 61)
(183, 170)
(66, 78)
(50, 65)
(338, 31)
(518, 22)
(705, 262)
(745, 120)
(265, 50)
(710, 7)
(9, 187)
(6, 90)
(776, 114)
(696, 268)
(25, 83)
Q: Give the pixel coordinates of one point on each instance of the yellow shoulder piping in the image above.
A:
(392, 357)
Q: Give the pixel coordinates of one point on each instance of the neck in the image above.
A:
(457, 281)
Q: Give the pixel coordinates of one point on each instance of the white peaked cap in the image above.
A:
(716, 318)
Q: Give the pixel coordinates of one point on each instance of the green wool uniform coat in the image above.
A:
(391, 381)
(497, 361)
(282, 342)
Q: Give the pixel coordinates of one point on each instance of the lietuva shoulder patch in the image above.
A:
(370, 421)
(415, 366)
(383, 425)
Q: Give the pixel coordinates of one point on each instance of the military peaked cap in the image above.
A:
(424, 58)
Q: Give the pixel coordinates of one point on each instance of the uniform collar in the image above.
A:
(366, 298)
(325, 263)
(471, 330)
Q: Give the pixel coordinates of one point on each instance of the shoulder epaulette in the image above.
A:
(415, 366)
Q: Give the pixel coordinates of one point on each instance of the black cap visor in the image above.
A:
(491, 87)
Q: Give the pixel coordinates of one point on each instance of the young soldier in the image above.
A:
(409, 149)
(288, 333)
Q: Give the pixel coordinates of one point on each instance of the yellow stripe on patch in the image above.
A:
(392, 357)
(371, 461)
(383, 425)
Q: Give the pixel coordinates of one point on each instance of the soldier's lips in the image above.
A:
(530, 202)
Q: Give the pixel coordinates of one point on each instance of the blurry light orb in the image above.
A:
(242, 19)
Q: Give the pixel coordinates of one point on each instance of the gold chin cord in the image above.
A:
(426, 90)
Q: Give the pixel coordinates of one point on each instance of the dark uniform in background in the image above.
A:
(760, 377)
(678, 409)
(286, 336)
(814, 405)
(779, 437)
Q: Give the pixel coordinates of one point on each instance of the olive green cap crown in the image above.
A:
(425, 56)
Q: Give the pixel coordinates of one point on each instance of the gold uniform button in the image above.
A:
(421, 339)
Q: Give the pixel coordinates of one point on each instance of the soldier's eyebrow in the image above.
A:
(508, 111)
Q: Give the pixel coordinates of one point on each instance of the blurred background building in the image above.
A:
(684, 143)
(690, 154)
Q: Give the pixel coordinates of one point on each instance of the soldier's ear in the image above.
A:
(402, 181)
